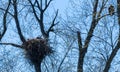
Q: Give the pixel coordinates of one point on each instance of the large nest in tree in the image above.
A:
(37, 49)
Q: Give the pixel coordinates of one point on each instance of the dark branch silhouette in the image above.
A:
(17, 21)
(12, 44)
(83, 51)
(4, 21)
(52, 24)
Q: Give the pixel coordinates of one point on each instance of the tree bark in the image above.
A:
(37, 67)
(80, 59)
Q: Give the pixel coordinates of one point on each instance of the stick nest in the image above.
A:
(37, 49)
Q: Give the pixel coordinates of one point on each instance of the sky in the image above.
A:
(61, 5)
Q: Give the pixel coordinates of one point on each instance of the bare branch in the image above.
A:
(53, 23)
(4, 21)
(17, 21)
(103, 40)
(8, 12)
(93, 25)
(88, 38)
(39, 18)
(103, 16)
(41, 4)
(45, 2)
(69, 48)
(101, 9)
(12, 44)
(46, 5)
(34, 11)
(38, 5)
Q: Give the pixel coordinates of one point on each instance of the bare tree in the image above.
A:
(38, 8)
(115, 50)
(90, 36)
(83, 49)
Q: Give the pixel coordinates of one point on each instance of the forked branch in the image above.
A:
(4, 21)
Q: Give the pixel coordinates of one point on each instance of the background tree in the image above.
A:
(116, 48)
(96, 31)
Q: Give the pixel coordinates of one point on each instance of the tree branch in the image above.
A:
(34, 11)
(17, 21)
(38, 5)
(59, 67)
(4, 21)
(102, 7)
(41, 4)
(46, 5)
(12, 44)
(8, 12)
(53, 23)
(88, 38)
(93, 25)
(39, 19)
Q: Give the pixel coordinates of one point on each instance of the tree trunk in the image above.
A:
(81, 59)
(83, 50)
(108, 63)
(37, 67)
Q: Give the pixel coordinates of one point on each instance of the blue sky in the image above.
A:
(61, 5)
